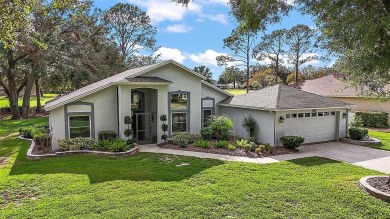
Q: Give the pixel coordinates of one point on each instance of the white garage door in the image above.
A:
(313, 126)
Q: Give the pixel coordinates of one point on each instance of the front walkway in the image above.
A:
(366, 157)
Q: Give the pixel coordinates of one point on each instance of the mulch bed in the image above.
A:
(39, 150)
(238, 152)
(379, 183)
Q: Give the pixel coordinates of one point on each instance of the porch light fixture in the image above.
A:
(281, 119)
(345, 115)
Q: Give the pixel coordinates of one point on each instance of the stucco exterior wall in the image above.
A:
(366, 104)
(265, 122)
(57, 126)
(207, 91)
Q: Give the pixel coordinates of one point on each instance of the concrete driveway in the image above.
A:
(366, 157)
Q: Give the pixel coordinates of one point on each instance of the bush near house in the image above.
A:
(357, 133)
(41, 137)
(374, 119)
(292, 142)
(78, 143)
(203, 144)
(221, 126)
(183, 139)
(107, 135)
(221, 144)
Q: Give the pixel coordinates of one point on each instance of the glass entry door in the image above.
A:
(143, 128)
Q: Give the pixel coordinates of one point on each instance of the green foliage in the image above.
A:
(107, 135)
(242, 143)
(246, 147)
(207, 133)
(254, 146)
(163, 118)
(373, 119)
(221, 144)
(249, 124)
(164, 137)
(203, 144)
(128, 132)
(204, 71)
(128, 120)
(78, 143)
(183, 139)
(42, 137)
(103, 145)
(164, 127)
(118, 145)
(26, 132)
(221, 125)
(231, 147)
(357, 133)
(265, 148)
(357, 121)
(292, 142)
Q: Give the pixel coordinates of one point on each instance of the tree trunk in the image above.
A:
(296, 73)
(27, 94)
(13, 94)
(277, 69)
(38, 94)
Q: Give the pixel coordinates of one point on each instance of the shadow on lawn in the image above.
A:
(140, 167)
(313, 161)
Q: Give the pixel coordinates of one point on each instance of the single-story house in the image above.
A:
(334, 86)
(170, 88)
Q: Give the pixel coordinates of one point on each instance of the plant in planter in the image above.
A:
(249, 124)
(357, 133)
(221, 125)
(164, 127)
(128, 131)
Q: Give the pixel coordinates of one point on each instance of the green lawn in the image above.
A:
(33, 102)
(236, 92)
(384, 137)
(153, 186)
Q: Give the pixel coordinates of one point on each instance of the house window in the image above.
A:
(307, 114)
(326, 113)
(137, 101)
(287, 116)
(179, 122)
(314, 114)
(333, 113)
(208, 109)
(79, 126)
(179, 111)
(207, 113)
(300, 115)
(320, 113)
(294, 115)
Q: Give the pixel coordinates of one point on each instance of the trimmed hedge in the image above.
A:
(374, 119)
(357, 133)
(292, 142)
(107, 135)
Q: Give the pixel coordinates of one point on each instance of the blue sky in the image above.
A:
(194, 36)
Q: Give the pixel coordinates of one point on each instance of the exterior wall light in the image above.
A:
(281, 119)
(345, 115)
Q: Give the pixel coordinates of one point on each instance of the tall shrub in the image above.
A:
(164, 127)
(221, 126)
(374, 119)
(249, 124)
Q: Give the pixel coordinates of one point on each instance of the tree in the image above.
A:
(263, 78)
(131, 29)
(205, 71)
(241, 43)
(272, 48)
(231, 75)
(291, 78)
(302, 42)
(358, 32)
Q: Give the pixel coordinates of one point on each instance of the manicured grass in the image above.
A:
(33, 102)
(154, 186)
(236, 92)
(384, 137)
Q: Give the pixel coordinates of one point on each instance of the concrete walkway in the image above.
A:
(357, 155)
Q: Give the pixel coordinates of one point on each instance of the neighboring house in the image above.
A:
(182, 94)
(334, 86)
(281, 110)
(144, 93)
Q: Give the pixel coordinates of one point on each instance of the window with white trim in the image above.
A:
(79, 126)
(179, 111)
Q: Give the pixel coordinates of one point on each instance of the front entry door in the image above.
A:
(143, 128)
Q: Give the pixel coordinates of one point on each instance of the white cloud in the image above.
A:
(313, 62)
(170, 53)
(221, 18)
(159, 11)
(179, 28)
(206, 58)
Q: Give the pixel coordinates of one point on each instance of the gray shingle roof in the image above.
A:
(100, 85)
(281, 97)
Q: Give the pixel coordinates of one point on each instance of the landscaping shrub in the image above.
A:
(78, 143)
(207, 133)
(164, 127)
(118, 145)
(26, 132)
(103, 145)
(221, 144)
(242, 143)
(265, 148)
(181, 138)
(231, 147)
(373, 119)
(254, 146)
(247, 147)
(357, 121)
(203, 144)
(292, 142)
(195, 137)
(42, 138)
(107, 135)
(357, 133)
(221, 125)
(249, 124)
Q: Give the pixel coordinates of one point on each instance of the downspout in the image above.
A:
(346, 125)
(117, 107)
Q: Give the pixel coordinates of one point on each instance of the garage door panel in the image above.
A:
(313, 129)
